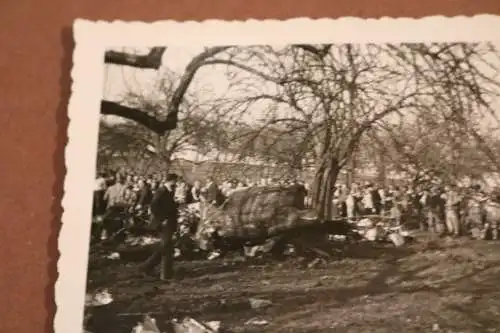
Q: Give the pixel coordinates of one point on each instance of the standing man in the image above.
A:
(213, 194)
(164, 211)
(376, 199)
(350, 203)
(452, 201)
(434, 207)
(144, 197)
(196, 191)
(99, 190)
(368, 204)
(117, 204)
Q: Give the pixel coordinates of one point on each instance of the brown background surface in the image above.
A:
(35, 60)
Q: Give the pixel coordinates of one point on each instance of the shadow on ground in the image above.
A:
(445, 285)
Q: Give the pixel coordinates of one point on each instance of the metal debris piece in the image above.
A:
(113, 256)
(397, 239)
(214, 255)
(253, 251)
(315, 263)
(190, 325)
(101, 298)
(257, 322)
(257, 303)
(148, 325)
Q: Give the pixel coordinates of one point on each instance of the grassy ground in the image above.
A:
(432, 285)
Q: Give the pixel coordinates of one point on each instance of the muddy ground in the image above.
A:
(429, 286)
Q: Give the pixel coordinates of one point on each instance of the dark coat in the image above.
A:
(214, 194)
(163, 205)
(377, 200)
(144, 196)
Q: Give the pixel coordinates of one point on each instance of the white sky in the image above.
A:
(212, 80)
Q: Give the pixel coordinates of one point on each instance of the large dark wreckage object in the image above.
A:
(253, 215)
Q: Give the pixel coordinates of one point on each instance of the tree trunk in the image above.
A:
(382, 176)
(351, 174)
(324, 183)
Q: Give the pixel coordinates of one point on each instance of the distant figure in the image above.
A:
(212, 193)
(376, 199)
(434, 211)
(118, 202)
(452, 201)
(343, 191)
(368, 204)
(99, 190)
(144, 195)
(196, 191)
(388, 199)
(181, 191)
(164, 210)
(115, 196)
(350, 203)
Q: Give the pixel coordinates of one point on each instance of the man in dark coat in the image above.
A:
(376, 199)
(144, 195)
(164, 211)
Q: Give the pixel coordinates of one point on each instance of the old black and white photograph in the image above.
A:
(290, 186)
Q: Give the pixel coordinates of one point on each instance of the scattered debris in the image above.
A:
(213, 255)
(257, 303)
(338, 238)
(142, 240)
(253, 251)
(397, 239)
(315, 263)
(190, 325)
(365, 223)
(148, 325)
(257, 322)
(113, 256)
(214, 325)
(100, 298)
(382, 230)
(435, 327)
(372, 234)
(289, 250)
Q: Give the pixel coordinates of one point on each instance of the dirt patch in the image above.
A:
(445, 285)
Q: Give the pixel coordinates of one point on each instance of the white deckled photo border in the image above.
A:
(92, 38)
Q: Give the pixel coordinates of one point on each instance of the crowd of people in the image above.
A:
(440, 208)
(437, 208)
(157, 199)
(117, 191)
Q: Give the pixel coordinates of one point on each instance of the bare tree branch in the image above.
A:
(187, 78)
(246, 68)
(139, 116)
(319, 52)
(152, 60)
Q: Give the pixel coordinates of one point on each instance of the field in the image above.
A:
(433, 285)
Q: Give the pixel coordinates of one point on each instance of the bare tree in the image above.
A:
(334, 94)
(124, 145)
(153, 61)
